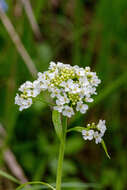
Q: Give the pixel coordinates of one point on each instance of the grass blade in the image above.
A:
(8, 176)
(34, 183)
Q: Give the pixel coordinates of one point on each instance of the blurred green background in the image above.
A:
(76, 32)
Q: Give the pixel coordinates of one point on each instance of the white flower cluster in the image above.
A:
(71, 88)
(28, 91)
(95, 131)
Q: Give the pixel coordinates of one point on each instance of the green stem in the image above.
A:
(61, 155)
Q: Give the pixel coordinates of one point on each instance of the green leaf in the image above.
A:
(78, 185)
(77, 129)
(56, 118)
(105, 148)
(8, 176)
(34, 183)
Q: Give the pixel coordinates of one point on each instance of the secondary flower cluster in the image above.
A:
(71, 88)
(95, 131)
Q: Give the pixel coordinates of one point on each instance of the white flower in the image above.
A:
(75, 88)
(55, 92)
(36, 88)
(88, 99)
(26, 104)
(90, 90)
(62, 99)
(44, 85)
(51, 75)
(94, 79)
(30, 89)
(52, 65)
(87, 91)
(43, 82)
(81, 107)
(101, 126)
(87, 69)
(41, 76)
(23, 103)
(67, 85)
(60, 65)
(25, 86)
(98, 137)
(84, 93)
(80, 72)
(76, 67)
(59, 108)
(18, 99)
(88, 134)
(68, 111)
(83, 81)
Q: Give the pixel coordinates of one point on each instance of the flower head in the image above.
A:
(22, 102)
(71, 87)
(88, 134)
(94, 131)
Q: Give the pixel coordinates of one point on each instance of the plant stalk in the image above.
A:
(61, 155)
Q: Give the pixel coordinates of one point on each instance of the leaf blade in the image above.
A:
(56, 118)
(105, 148)
(8, 176)
(35, 183)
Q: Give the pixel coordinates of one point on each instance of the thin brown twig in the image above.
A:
(13, 165)
(18, 8)
(16, 40)
(31, 17)
(11, 161)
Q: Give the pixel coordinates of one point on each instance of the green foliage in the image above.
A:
(77, 129)
(105, 148)
(9, 177)
(84, 33)
(56, 118)
(34, 183)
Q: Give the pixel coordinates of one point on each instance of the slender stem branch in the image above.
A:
(61, 155)
(31, 17)
(18, 43)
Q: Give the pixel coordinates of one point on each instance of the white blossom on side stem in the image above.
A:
(101, 126)
(88, 134)
(94, 131)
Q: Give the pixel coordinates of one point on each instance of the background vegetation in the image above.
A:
(81, 32)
